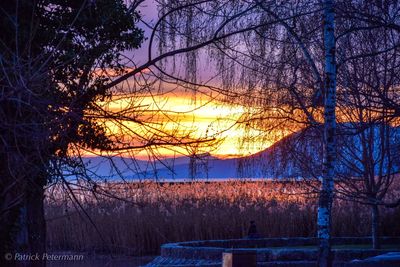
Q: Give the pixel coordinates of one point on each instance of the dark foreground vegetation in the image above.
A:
(159, 213)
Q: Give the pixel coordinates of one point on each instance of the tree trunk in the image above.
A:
(9, 221)
(375, 226)
(326, 194)
(22, 228)
(36, 225)
(12, 199)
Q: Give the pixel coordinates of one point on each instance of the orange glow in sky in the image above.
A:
(202, 118)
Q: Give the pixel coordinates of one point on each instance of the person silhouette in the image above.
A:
(253, 230)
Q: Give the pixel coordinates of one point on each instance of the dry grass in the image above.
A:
(158, 213)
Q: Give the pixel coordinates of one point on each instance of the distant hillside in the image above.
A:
(298, 155)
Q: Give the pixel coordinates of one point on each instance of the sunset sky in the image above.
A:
(183, 112)
(200, 116)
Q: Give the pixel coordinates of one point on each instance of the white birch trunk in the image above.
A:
(326, 193)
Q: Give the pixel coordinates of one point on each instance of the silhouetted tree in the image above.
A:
(54, 57)
(60, 64)
(279, 58)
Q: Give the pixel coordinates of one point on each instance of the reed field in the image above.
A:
(148, 214)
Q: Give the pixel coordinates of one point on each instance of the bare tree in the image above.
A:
(58, 62)
(367, 71)
(272, 56)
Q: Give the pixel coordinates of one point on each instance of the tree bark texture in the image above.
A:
(326, 193)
